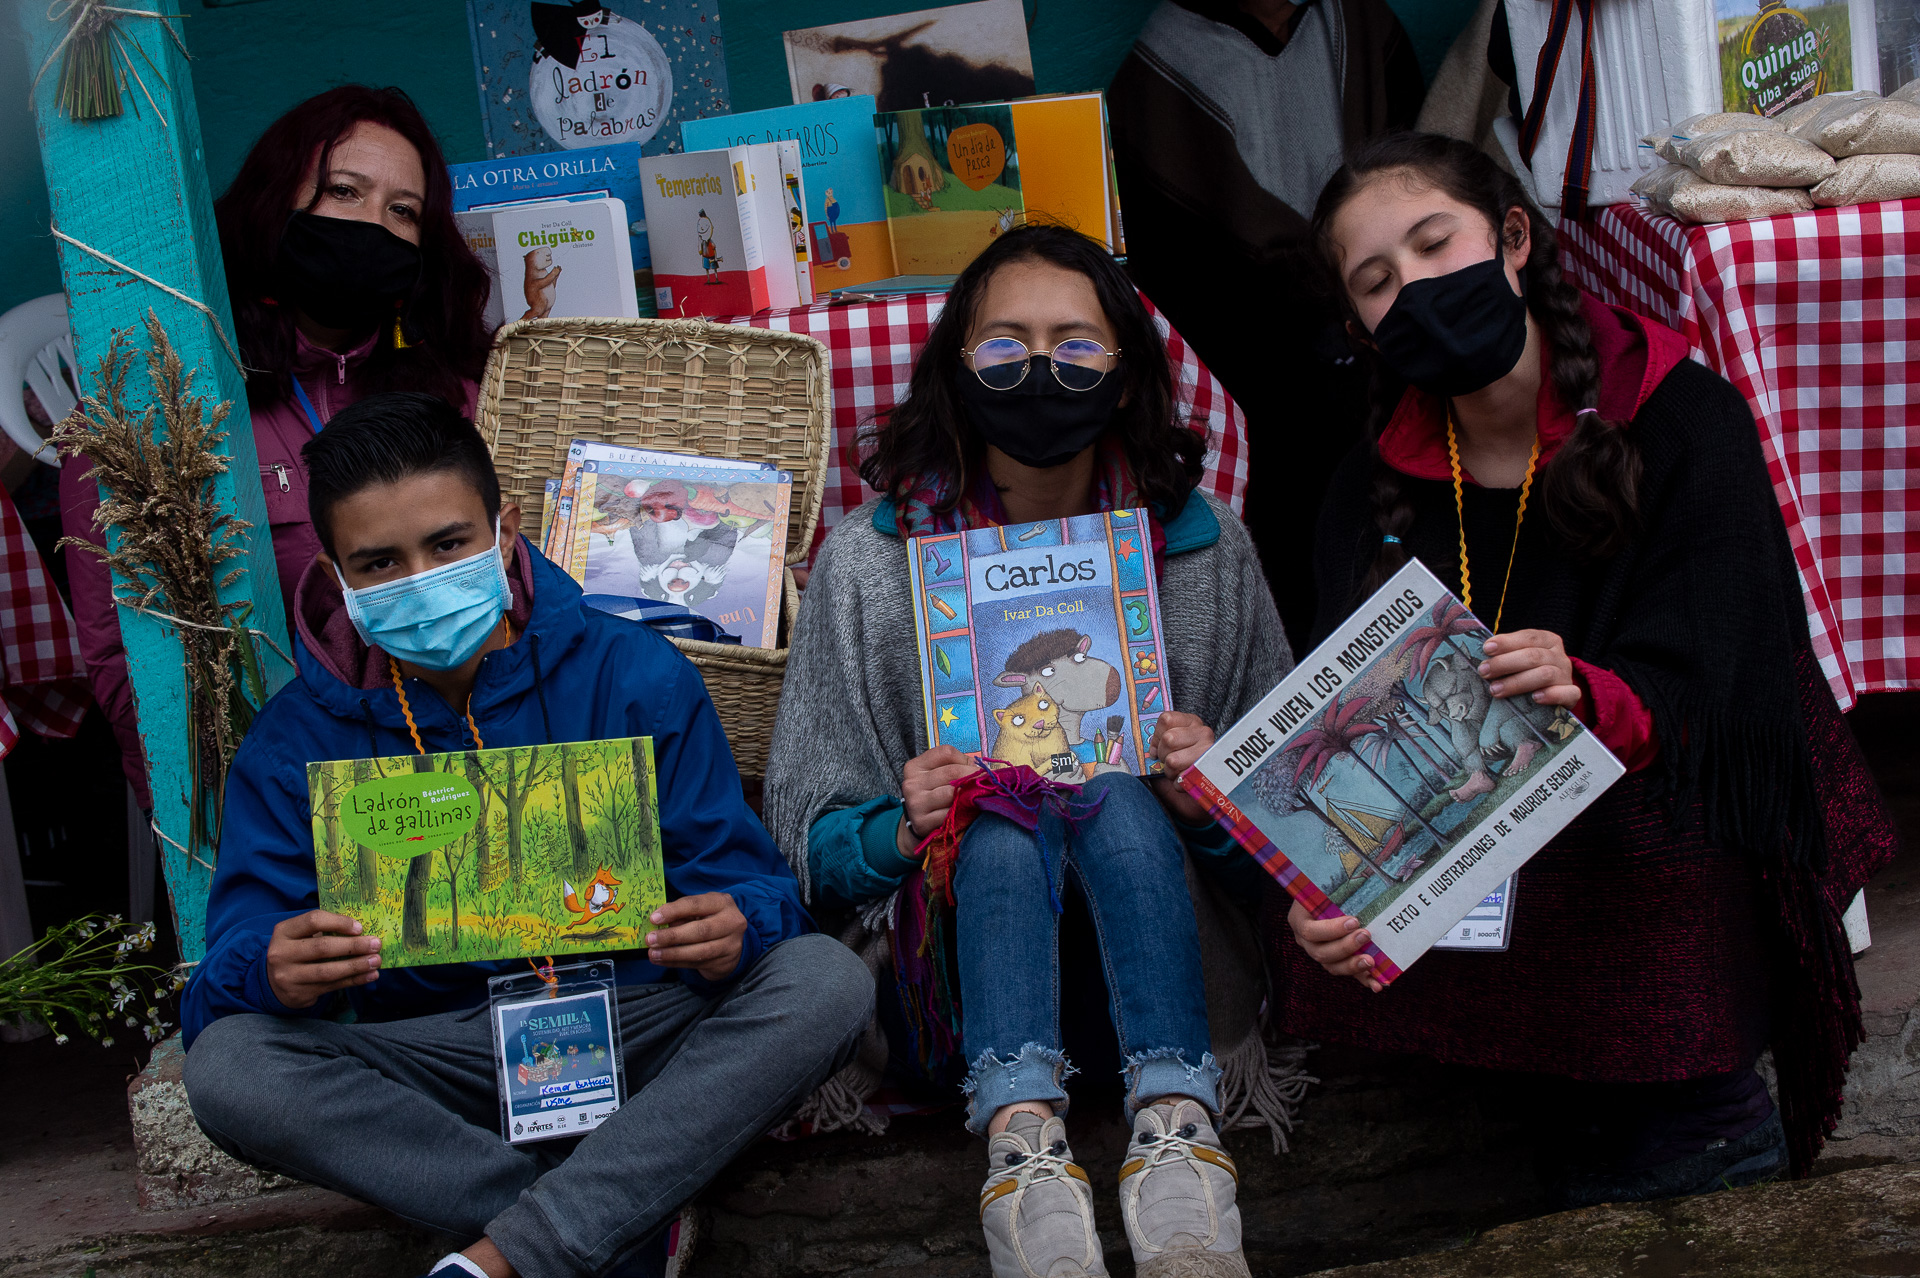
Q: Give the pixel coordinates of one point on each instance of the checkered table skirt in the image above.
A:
(873, 345)
(1815, 317)
(44, 678)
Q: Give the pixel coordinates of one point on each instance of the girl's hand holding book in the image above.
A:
(1179, 739)
(926, 789)
(313, 954)
(1533, 661)
(1334, 944)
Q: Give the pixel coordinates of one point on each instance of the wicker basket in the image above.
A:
(683, 386)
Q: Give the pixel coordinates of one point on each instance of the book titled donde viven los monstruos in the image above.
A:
(1382, 778)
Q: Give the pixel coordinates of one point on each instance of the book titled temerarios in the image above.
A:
(507, 853)
(1040, 643)
(1382, 779)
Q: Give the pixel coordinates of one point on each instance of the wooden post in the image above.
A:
(134, 187)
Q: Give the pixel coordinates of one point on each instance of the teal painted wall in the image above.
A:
(254, 60)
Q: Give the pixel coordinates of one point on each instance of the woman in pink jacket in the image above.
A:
(347, 276)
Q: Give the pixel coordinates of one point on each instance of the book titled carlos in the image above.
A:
(1382, 779)
(513, 852)
(1040, 643)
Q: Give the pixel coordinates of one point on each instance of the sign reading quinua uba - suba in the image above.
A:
(405, 816)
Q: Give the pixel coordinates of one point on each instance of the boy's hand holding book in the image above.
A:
(703, 932)
(313, 954)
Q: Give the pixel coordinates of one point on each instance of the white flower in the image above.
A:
(59, 1038)
(131, 1022)
(107, 1042)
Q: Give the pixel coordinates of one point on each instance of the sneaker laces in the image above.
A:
(1047, 1163)
(1167, 1146)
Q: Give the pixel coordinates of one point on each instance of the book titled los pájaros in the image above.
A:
(1040, 643)
(506, 853)
(1382, 779)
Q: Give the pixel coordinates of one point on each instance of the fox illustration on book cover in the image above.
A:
(603, 897)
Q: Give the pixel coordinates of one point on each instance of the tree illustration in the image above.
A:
(514, 779)
(413, 903)
(1340, 729)
(1450, 620)
(576, 829)
(490, 867)
(615, 811)
(916, 169)
(364, 771)
(645, 820)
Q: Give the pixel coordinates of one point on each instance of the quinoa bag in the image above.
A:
(1679, 192)
(1754, 157)
(1872, 126)
(1663, 141)
(1814, 106)
(1865, 179)
(1908, 92)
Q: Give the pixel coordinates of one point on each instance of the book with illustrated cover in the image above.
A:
(1382, 779)
(958, 177)
(522, 851)
(560, 76)
(601, 171)
(709, 539)
(564, 258)
(1040, 643)
(845, 210)
(717, 227)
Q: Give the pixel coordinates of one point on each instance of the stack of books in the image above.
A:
(647, 532)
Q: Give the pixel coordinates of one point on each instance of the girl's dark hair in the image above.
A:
(1590, 488)
(447, 336)
(928, 434)
(385, 438)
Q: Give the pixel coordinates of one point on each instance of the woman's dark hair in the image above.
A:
(927, 434)
(445, 330)
(1590, 488)
(385, 438)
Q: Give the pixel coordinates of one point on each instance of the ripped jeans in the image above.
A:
(1129, 863)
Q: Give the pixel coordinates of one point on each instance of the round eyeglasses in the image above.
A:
(1001, 363)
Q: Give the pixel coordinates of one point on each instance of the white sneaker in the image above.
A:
(1177, 1196)
(1037, 1207)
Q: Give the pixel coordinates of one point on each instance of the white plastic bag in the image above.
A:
(1865, 179)
(1872, 126)
(1679, 192)
(1754, 157)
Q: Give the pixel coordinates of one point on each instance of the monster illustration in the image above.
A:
(1077, 682)
(1481, 728)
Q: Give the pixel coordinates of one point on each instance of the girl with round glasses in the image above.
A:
(1602, 502)
(1043, 392)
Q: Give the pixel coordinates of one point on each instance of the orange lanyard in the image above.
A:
(1460, 512)
(393, 668)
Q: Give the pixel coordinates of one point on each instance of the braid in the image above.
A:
(1392, 510)
(1590, 489)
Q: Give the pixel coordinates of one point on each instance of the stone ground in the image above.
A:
(1396, 1170)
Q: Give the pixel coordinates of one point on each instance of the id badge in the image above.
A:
(556, 1050)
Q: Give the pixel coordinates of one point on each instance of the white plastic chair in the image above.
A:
(35, 341)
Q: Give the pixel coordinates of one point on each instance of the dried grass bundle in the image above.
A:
(175, 546)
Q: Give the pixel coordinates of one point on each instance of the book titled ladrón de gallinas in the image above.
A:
(1040, 643)
(1384, 780)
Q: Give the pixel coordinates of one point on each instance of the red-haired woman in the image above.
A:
(347, 276)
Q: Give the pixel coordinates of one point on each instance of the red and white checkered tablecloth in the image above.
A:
(872, 346)
(1816, 319)
(44, 677)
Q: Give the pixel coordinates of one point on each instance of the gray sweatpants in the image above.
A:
(405, 1114)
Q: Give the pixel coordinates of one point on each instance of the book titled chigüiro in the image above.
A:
(1040, 643)
(565, 258)
(1383, 780)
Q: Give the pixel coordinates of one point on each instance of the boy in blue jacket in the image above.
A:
(429, 625)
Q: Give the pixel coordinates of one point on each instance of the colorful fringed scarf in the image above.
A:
(917, 513)
(929, 995)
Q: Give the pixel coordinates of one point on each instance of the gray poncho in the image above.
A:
(850, 719)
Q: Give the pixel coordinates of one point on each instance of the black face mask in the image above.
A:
(1457, 333)
(343, 273)
(1039, 423)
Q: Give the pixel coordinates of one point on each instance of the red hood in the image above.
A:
(321, 620)
(1635, 354)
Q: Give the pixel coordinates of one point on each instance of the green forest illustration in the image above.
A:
(492, 854)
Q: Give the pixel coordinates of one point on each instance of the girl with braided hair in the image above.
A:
(1602, 501)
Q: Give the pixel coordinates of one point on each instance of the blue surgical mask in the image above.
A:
(436, 619)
